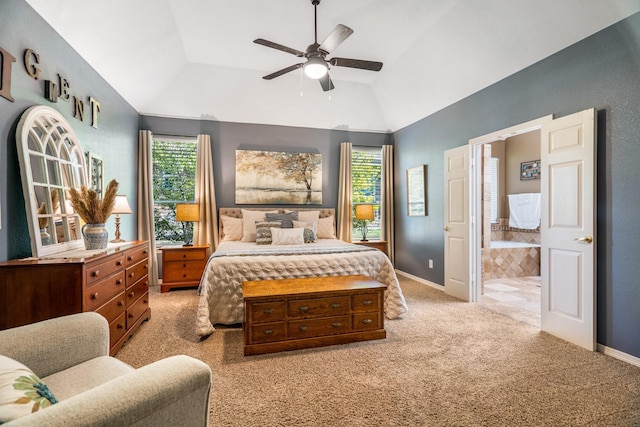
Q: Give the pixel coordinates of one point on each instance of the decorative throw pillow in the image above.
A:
(286, 218)
(21, 391)
(231, 227)
(309, 234)
(307, 216)
(249, 219)
(326, 229)
(263, 231)
(287, 236)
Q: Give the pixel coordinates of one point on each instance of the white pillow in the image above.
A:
(325, 229)
(249, 219)
(18, 395)
(306, 216)
(287, 236)
(231, 227)
(309, 234)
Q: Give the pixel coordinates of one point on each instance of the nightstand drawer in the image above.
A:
(184, 271)
(183, 255)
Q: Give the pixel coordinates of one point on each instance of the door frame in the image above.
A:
(475, 239)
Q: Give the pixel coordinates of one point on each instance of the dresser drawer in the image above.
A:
(267, 311)
(366, 302)
(329, 306)
(136, 291)
(266, 332)
(137, 309)
(182, 271)
(184, 255)
(319, 327)
(117, 329)
(136, 255)
(137, 272)
(101, 292)
(104, 269)
(367, 321)
(113, 308)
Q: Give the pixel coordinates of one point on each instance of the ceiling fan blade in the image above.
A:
(339, 34)
(273, 45)
(326, 83)
(356, 63)
(283, 71)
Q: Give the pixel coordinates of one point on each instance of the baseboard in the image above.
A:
(420, 280)
(617, 354)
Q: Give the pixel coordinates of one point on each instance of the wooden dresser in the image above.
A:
(182, 266)
(291, 314)
(113, 283)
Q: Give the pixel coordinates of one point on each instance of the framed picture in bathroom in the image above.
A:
(530, 170)
(417, 191)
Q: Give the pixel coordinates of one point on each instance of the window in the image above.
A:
(366, 173)
(174, 181)
(494, 189)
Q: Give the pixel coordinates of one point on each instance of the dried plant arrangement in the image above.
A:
(55, 202)
(91, 209)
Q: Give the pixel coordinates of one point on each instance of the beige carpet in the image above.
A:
(446, 363)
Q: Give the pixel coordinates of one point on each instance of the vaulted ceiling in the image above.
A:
(197, 59)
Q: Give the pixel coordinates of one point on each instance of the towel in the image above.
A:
(525, 210)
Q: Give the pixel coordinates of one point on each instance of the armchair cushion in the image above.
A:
(21, 391)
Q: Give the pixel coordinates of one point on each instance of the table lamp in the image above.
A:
(364, 213)
(121, 206)
(187, 212)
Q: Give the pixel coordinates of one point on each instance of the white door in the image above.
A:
(457, 222)
(568, 228)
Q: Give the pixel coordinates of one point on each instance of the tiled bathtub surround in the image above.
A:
(511, 262)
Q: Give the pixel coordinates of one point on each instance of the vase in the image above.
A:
(45, 237)
(95, 236)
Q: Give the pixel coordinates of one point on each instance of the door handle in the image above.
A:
(585, 239)
(445, 228)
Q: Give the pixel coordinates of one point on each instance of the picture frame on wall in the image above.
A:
(95, 173)
(530, 170)
(417, 191)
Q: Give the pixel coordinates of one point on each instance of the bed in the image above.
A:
(236, 261)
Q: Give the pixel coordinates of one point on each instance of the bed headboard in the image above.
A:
(237, 213)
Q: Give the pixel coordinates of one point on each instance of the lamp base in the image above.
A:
(364, 240)
(118, 240)
(186, 245)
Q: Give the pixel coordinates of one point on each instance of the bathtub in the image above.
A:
(510, 259)
(506, 244)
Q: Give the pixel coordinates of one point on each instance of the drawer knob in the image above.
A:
(336, 324)
(132, 294)
(367, 302)
(118, 263)
(120, 326)
(95, 273)
(130, 315)
(145, 252)
(119, 282)
(268, 331)
(335, 305)
(184, 255)
(129, 258)
(120, 303)
(131, 274)
(267, 310)
(304, 308)
(366, 321)
(184, 265)
(94, 296)
(303, 328)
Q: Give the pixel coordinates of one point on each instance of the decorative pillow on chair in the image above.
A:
(231, 227)
(286, 218)
(309, 230)
(326, 229)
(21, 391)
(287, 236)
(263, 231)
(249, 219)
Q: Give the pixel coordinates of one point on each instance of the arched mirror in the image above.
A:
(51, 161)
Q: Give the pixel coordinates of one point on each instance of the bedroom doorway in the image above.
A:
(567, 223)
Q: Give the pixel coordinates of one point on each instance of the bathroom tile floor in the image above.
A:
(518, 298)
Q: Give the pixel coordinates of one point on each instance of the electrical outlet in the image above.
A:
(430, 263)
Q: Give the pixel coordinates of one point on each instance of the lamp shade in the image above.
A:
(187, 212)
(364, 211)
(121, 205)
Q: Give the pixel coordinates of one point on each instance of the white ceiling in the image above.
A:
(197, 59)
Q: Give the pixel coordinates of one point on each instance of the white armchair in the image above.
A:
(71, 356)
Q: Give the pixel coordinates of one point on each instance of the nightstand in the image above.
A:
(378, 244)
(182, 266)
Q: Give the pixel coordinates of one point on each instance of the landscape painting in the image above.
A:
(278, 178)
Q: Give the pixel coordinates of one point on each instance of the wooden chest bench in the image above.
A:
(292, 314)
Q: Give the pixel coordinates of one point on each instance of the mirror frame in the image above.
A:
(51, 136)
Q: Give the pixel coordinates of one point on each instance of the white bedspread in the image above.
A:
(221, 284)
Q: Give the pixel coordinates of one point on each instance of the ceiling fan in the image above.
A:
(317, 66)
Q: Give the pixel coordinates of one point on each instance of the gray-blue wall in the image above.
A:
(602, 71)
(115, 139)
(228, 137)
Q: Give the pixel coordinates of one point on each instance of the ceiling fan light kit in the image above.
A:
(317, 66)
